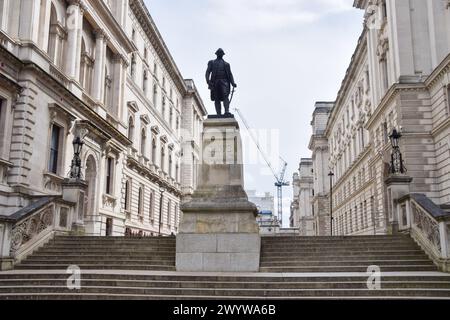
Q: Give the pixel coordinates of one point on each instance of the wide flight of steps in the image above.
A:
(104, 253)
(343, 254)
(292, 268)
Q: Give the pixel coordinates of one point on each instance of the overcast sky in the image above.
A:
(285, 55)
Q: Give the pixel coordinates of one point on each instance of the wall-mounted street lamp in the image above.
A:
(397, 165)
(161, 190)
(331, 175)
(75, 168)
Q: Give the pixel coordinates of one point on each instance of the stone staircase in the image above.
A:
(117, 253)
(291, 268)
(343, 254)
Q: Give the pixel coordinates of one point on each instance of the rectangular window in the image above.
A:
(54, 149)
(141, 202)
(152, 205)
(109, 175)
(169, 209)
(447, 96)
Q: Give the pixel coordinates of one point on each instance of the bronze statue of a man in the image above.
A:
(220, 79)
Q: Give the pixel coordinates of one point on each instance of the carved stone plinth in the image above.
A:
(397, 186)
(74, 191)
(219, 232)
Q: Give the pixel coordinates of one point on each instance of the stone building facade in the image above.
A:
(97, 69)
(302, 211)
(398, 79)
(320, 157)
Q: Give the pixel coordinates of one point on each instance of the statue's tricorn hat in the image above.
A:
(220, 51)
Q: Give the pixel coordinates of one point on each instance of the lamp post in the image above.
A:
(161, 190)
(75, 169)
(397, 165)
(331, 175)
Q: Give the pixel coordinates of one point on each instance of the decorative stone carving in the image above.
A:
(109, 201)
(53, 183)
(428, 226)
(31, 227)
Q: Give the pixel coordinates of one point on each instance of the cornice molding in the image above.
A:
(391, 94)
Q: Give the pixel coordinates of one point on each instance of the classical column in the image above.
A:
(74, 26)
(120, 65)
(4, 15)
(99, 65)
(29, 20)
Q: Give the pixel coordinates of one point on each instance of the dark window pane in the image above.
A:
(54, 150)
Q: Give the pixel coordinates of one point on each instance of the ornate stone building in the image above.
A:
(97, 69)
(320, 157)
(398, 79)
(302, 211)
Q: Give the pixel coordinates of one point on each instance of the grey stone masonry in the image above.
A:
(219, 231)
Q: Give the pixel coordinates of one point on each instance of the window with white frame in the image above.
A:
(55, 151)
(109, 176)
(128, 190)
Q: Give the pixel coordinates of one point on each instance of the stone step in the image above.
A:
(103, 260)
(139, 256)
(418, 256)
(255, 277)
(338, 250)
(104, 250)
(110, 247)
(58, 252)
(335, 238)
(291, 246)
(352, 255)
(111, 242)
(115, 238)
(344, 262)
(161, 291)
(227, 284)
(136, 297)
(348, 268)
(313, 241)
(115, 266)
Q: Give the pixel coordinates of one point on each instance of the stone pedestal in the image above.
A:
(397, 186)
(74, 191)
(218, 231)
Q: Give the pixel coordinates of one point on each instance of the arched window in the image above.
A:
(163, 108)
(127, 195)
(143, 141)
(152, 205)
(54, 37)
(130, 129)
(169, 209)
(140, 201)
(144, 82)
(170, 165)
(163, 158)
(133, 65)
(154, 151)
(108, 88)
(171, 117)
(155, 95)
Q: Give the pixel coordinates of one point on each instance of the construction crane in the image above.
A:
(280, 182)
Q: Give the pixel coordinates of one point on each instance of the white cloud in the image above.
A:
(270, 15)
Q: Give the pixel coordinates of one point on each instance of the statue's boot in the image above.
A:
(226, 105)
(218, 108)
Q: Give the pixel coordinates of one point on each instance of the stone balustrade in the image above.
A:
(428, 224)
(29, 228)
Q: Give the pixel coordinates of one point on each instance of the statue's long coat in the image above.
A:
(220, 88)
